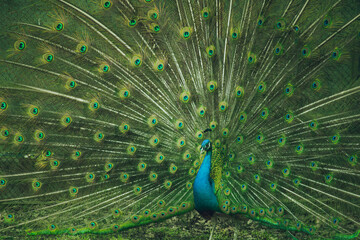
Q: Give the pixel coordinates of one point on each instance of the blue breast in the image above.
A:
(204, 196)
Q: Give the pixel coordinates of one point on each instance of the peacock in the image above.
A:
(116, 114)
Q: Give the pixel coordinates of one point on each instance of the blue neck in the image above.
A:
(204, 196)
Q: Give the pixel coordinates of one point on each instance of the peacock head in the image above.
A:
(206, 145)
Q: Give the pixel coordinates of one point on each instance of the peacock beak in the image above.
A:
(201, 150)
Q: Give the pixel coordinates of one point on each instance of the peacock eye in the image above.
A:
(107, 4)
(326, 23)
(49, 58)
(59, 27)
(20, 45)
(3, 105)
(83, 49)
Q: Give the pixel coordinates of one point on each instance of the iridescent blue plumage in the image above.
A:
(204, 188)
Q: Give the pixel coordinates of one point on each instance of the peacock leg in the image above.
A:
(213, 226)
(236, 229)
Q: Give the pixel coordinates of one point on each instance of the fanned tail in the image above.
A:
(103, 107)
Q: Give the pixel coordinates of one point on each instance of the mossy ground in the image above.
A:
(189, 226)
